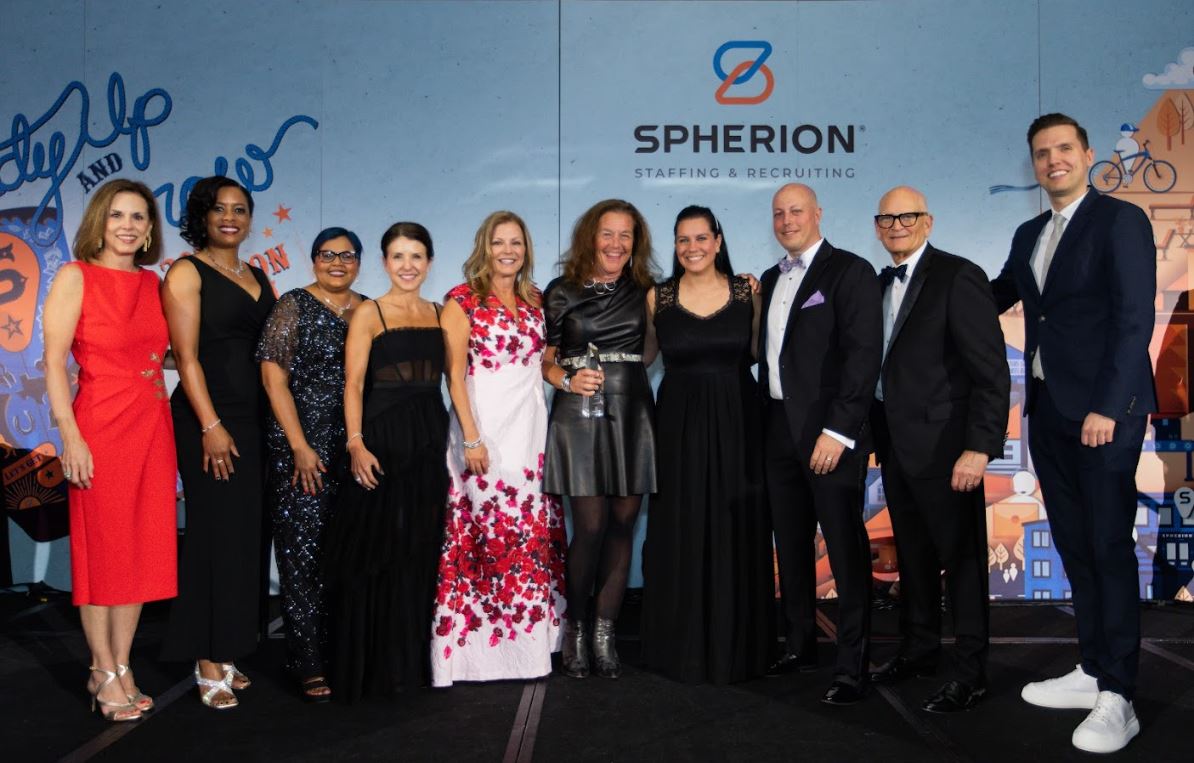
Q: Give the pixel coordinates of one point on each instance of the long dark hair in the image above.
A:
(721, 262)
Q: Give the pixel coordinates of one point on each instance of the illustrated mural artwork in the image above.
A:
(445, 129)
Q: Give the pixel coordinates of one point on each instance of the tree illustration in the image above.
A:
(1169, 122)
(1185, 107)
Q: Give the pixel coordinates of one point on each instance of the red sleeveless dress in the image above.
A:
(123, 536)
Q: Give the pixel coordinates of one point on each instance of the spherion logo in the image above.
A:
(743, 72)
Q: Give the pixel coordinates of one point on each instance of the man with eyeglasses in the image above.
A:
(939, 416)
(820, 338)
(1086, 272)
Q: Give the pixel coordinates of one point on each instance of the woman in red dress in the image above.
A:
(117, 437)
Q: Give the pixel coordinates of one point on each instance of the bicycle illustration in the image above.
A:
(1108, 175)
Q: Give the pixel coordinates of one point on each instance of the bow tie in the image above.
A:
(889, 274)
(787, 263)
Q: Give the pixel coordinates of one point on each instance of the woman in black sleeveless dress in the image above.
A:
(215, 306)
(708, 590)
(382, 545)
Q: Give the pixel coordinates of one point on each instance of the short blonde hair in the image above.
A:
(89, 239)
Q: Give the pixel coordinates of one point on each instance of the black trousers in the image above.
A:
(937, 528)
(1090, 494)
(799, 501)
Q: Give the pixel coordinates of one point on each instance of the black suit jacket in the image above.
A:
(945, 377)
(1094, 319)
(829, 360)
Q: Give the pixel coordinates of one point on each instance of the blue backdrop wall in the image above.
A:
(359, 113)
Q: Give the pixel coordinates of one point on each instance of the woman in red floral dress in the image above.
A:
(500, 595)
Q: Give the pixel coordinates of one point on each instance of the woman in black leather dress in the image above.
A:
(603, 464)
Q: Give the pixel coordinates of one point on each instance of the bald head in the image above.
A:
(902, 241)
(796, 217)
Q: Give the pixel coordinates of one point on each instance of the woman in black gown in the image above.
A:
(603, 464)
(708, 593)
(215, 306)
(302, 367)
(383, 542)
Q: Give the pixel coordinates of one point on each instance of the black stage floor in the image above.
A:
(43, 706)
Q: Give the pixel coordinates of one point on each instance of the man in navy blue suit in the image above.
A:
(1086, 273)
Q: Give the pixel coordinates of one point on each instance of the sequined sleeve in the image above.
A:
(279, 337)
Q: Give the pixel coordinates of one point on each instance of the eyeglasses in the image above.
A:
(907, 219)
(348, 258)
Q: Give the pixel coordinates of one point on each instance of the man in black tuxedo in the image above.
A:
(1086, 273)
(940, 414)
(820, 343)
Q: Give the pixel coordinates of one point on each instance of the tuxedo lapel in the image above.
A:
(911, 293)
(1064, 253)
(767, 286)
(808, 286)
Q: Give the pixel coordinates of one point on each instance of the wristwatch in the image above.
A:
(566, 383)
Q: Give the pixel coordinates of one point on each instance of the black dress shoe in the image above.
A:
(843, 694)
(899, 669)
(792, 663)
(953, 697)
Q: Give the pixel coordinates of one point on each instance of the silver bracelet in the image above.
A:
(472, 445)
(350, 439)
(210, 427)
(566, 382)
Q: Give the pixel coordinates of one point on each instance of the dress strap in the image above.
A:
(437, 307)
(381, 315)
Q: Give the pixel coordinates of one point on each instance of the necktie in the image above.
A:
(787, 263)
(1046, 258)
(889, 274)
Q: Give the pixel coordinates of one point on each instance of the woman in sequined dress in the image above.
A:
(383, 539)
(301, 352)
(500, 596)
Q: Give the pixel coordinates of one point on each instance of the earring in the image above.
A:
(148, 241)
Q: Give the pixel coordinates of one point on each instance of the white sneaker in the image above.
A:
(1075, 689)
(1109, 727)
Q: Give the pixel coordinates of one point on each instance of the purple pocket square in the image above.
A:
(816, 299)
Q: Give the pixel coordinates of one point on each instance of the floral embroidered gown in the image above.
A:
(500, 597)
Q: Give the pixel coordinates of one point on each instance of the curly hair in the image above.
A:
(201, 199)
(582, 254)
(477, 270)
(89, 239)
